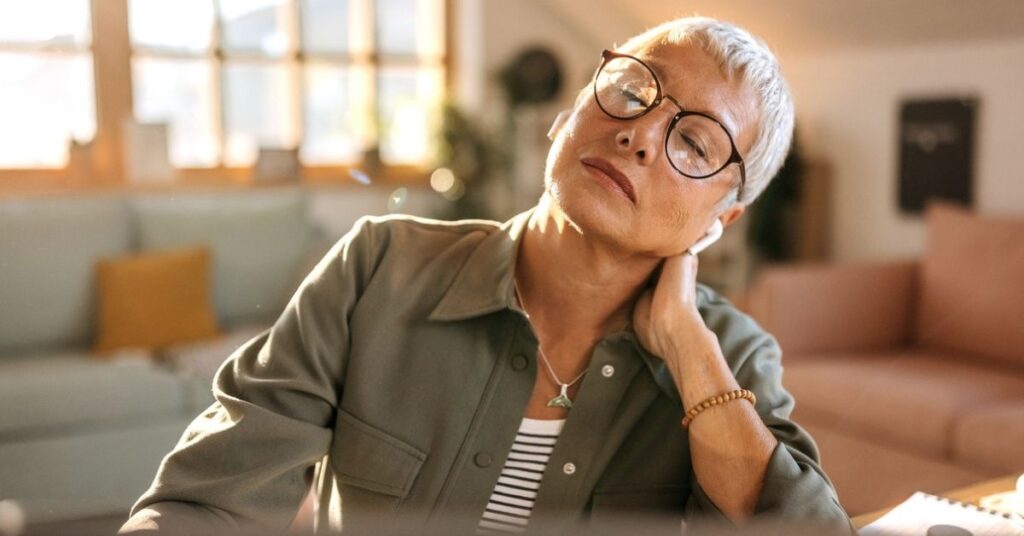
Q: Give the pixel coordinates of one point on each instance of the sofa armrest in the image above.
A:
(820, 308)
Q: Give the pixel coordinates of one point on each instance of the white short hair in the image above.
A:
(738, 53)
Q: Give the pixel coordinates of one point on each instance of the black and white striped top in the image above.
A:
(509, 507)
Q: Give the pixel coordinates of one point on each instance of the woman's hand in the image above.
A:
(729, 444)
(666, 318)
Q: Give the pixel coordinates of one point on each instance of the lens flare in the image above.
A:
(442, 180)
(397, 199)
(360, 177)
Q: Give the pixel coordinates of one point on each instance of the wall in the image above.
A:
(848, 105)
(569, 29)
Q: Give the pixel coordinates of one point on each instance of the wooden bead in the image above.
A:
(744, 394)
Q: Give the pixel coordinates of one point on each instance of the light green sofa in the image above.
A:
(81, 437)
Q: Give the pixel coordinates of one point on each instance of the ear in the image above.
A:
(732, 214)
(558, 123)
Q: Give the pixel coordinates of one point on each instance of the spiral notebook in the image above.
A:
(915, 515)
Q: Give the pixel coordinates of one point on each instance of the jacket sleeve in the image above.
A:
(246, 463)
(795, 488)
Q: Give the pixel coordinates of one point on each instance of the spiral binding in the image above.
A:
(974, 507)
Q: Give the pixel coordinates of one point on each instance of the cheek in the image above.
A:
(670, 205)
(565, 144)
(676, 209)
(558, 158)
(678, 217)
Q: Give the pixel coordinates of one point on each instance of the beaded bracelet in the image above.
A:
(716, 400)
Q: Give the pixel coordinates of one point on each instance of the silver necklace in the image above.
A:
(562, 400)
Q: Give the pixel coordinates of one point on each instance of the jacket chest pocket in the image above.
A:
(375, 470)
(656, 508)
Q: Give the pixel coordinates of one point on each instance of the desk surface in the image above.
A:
(970, 494)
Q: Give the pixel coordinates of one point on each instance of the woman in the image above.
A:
(561, 367)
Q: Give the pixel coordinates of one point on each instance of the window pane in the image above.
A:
(262, 26)
(179, 93)
(325, 25)
(396, 27)
(56, 22)
(409, 101)
(258, 100)
(45, 100)
(182, 25)
(410, 27)
(337, 122)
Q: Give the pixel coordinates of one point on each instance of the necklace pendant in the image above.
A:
(562, 400)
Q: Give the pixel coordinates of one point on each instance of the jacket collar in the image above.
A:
(485, 285)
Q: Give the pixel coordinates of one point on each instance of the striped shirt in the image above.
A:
(508, 509)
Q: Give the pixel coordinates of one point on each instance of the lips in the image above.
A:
(612, 173)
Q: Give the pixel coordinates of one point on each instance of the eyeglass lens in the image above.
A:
(697, 146)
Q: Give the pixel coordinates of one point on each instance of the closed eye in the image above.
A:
(692, 143)
(631, 95)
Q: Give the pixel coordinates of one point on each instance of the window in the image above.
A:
(231, 76)
(173, 76)
(46, 81)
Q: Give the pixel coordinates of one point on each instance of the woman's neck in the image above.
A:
(575, 289)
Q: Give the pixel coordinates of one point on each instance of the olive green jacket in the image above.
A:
(396, 379)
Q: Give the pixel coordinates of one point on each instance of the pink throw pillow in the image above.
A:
(972, 284)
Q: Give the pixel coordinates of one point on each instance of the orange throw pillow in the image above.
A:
(154, 300)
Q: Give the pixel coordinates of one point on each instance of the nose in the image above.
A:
(640, 138)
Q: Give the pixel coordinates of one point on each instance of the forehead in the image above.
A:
(694, 78)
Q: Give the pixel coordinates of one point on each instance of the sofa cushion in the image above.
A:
(95, 473)
(258, 239)
(155, 300)
(202, 359)
(862, 307)
(68, 393)
(992, 437)
(971, 275)
(911, 399)
(48, 248)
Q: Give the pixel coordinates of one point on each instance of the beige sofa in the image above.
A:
(909, 374)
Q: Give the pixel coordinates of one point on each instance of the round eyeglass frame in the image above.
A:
(734, 157)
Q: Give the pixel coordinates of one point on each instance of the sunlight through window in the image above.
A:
(46, 81)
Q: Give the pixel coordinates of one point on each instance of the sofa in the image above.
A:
(82, 433)
(908, 373)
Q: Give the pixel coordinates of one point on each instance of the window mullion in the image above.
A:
(219, 101)
(297, 72)
(112, 79)
(374, 79)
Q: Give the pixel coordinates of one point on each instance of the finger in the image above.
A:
(680, 268)
(689, 277)
(680, 275)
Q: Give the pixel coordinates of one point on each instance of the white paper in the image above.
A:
(921, 510)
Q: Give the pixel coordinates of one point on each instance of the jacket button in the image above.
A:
(569, 468)
(482, 459)
(519, 362)
(607, 371)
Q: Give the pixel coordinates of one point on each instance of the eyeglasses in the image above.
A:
(696, 144)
